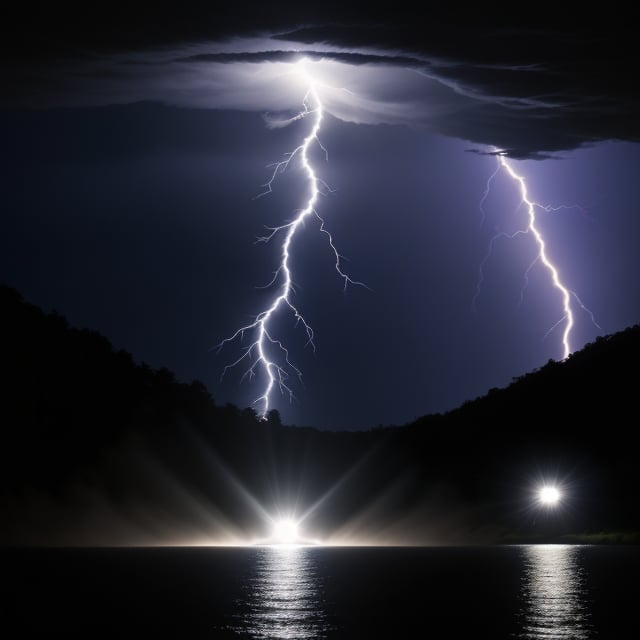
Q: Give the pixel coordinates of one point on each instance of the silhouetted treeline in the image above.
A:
(67, 394)
(82, 422)
(576, 419)
(77, 412)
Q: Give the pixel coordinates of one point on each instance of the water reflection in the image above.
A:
(554, 593)
(284, 598)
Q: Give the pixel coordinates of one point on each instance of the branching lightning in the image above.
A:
(531, 227)
(277, 373)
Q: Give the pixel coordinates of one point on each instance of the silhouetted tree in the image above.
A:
(273, 418)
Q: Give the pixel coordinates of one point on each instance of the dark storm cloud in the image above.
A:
(351, 58)
(532, 85)
(535, 89)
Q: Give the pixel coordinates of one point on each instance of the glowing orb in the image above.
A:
(285, 532)
(549, 496)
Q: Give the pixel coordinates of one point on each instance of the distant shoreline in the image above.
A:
(602, 537)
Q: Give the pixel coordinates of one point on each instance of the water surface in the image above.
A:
(534, 592)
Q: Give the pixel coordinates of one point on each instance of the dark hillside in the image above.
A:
(98, 449)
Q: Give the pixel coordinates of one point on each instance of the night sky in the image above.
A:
(133, 148)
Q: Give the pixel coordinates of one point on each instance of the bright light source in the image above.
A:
(285, 532)
(549, 496)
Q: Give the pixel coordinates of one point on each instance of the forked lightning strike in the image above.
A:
(258, 351)
(566, 294)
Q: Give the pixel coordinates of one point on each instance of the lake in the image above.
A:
(527, 591)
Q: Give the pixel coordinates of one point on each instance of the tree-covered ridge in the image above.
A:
(67, 394)
(596, 382)
(83, 424)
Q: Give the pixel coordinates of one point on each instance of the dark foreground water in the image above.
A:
(538, 591)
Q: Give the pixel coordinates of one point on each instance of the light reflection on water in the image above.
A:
(554, 594)
(283, 596)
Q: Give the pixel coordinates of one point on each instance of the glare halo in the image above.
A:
(285, 531)
(549, 495)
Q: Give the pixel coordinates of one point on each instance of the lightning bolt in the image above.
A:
(277, 372)
(531, 207)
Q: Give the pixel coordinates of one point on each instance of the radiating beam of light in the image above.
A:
(567, 295)
(277, 374)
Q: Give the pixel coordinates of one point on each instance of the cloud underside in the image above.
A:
(527, 90)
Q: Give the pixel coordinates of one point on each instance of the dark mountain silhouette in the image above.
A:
(97, 449)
